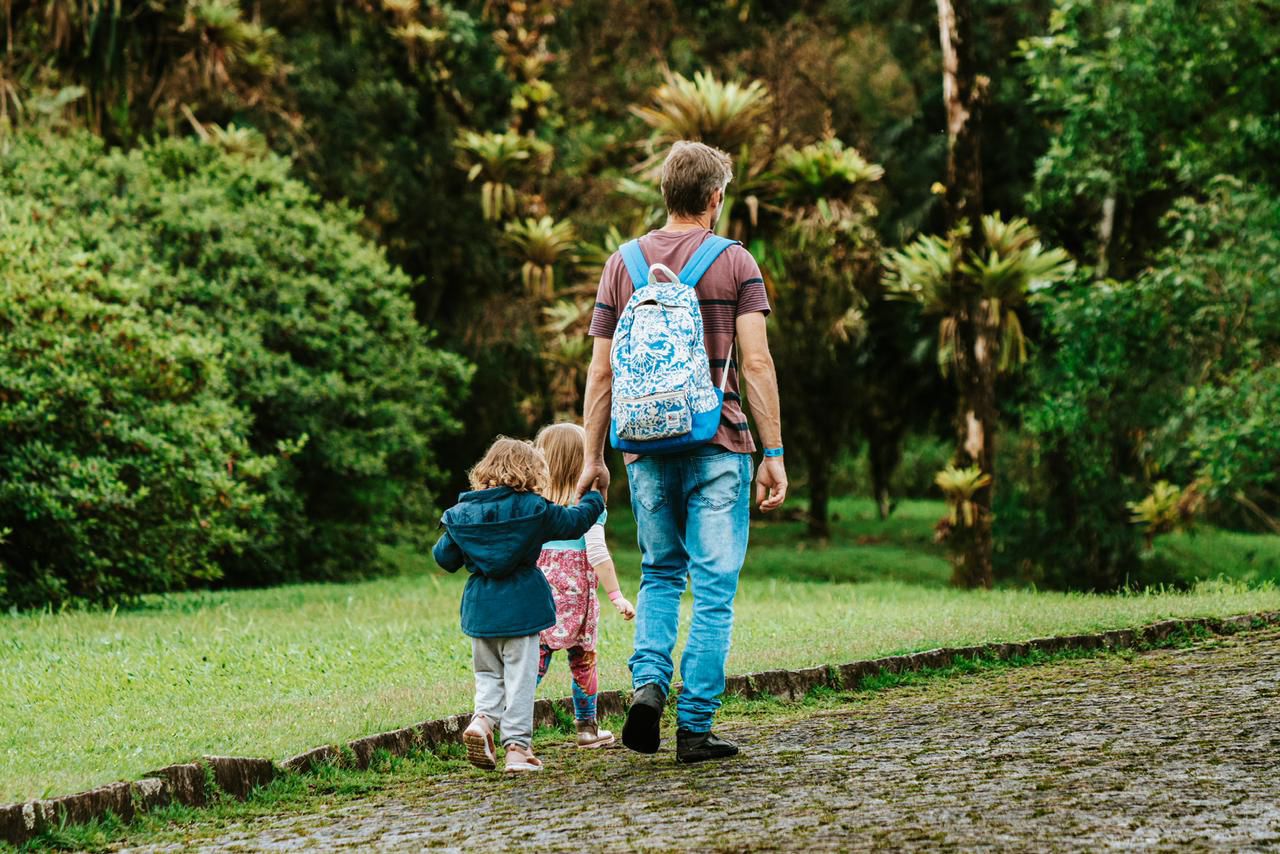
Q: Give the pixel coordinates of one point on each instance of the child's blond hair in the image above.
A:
(510, 462)
(563, 446)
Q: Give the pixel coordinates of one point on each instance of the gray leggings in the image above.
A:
(506, 680)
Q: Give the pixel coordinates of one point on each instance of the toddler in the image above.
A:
(574, 567)
(497, 531)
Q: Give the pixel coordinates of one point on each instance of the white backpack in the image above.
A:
(663, 397)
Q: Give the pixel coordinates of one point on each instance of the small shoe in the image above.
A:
(590, 735)
(702, 746)
(521, 759)
(478, 737)
(643, 730)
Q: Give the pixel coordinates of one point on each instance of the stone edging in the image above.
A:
(196, 783)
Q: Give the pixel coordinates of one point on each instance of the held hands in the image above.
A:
(771, 484)
(625, 608)
(595, 475)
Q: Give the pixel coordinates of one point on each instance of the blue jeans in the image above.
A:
(691, 513)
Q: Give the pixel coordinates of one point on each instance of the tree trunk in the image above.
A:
(819, 496)
(883, 452)
(976, 330)
(962, 91)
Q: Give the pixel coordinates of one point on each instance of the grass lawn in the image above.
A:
(90, 697)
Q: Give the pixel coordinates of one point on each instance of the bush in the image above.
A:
(1170, 377)
(117, 427)
(275, 369)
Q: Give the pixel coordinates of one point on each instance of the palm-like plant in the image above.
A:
(592, 257)
(821, 255)
(220, 41)
(566, 349)
(500, 160)
(822, 171)
(1014, 266)
(1166, 509)
(959, 486)
(540, 244)
(727, 115)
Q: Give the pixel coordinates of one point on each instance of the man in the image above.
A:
(692, 508)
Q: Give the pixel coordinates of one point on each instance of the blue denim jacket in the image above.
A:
(498, 534)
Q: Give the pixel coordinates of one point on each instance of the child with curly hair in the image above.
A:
(497, 530)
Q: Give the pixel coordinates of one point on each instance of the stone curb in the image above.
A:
(195, 784)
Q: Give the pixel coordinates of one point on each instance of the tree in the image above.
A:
(1146, 102)
(821, 258)
(1173, 376)
(257, 295)
(977, 294)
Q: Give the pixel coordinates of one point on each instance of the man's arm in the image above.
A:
(595, 416)
(761, 380)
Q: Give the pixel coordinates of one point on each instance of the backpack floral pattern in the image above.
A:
(661, 376)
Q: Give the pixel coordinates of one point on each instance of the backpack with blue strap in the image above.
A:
(663, 399)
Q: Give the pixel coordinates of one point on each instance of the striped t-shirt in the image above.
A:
(731, 287)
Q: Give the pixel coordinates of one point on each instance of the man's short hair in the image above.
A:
(690, 174)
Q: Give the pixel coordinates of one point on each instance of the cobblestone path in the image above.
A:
(1168, 749)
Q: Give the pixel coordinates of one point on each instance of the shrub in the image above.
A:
(296, 328)
(116, 428)
(1171, 377)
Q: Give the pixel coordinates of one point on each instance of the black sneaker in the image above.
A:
(643, 730)
(701, 746)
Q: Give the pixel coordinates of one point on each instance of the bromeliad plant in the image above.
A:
(725, 114)
(966, 520)
(977, 296)
(541, 244)
(1166, 509)
(1015, 265)
(501, 161)
(958, 489)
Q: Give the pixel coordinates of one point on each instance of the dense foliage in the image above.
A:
(498, 151)
(1150, 100)
(1170, 377)
(209, 374)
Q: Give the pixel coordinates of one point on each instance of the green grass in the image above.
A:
(90, 697)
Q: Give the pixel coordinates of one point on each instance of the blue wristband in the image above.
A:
(773, 452)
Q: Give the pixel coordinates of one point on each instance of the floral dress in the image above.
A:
(573, 586)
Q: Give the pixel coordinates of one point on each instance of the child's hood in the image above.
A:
(496, 528)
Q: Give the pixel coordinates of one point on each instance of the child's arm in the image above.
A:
(568, 523)
(602, 563)
(447, 553)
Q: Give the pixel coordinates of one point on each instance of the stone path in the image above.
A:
(1170, 749)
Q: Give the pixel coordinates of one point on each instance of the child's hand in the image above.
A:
(625, 608)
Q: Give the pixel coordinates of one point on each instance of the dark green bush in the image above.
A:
(276, 372)
(1170, 377)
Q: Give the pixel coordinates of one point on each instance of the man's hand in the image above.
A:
(771, 484)
(595, 475)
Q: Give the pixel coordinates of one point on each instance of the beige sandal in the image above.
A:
(521, 759)
(478, 737)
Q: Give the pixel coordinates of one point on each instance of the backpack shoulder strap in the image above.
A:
(637, 264)
(703, 258)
